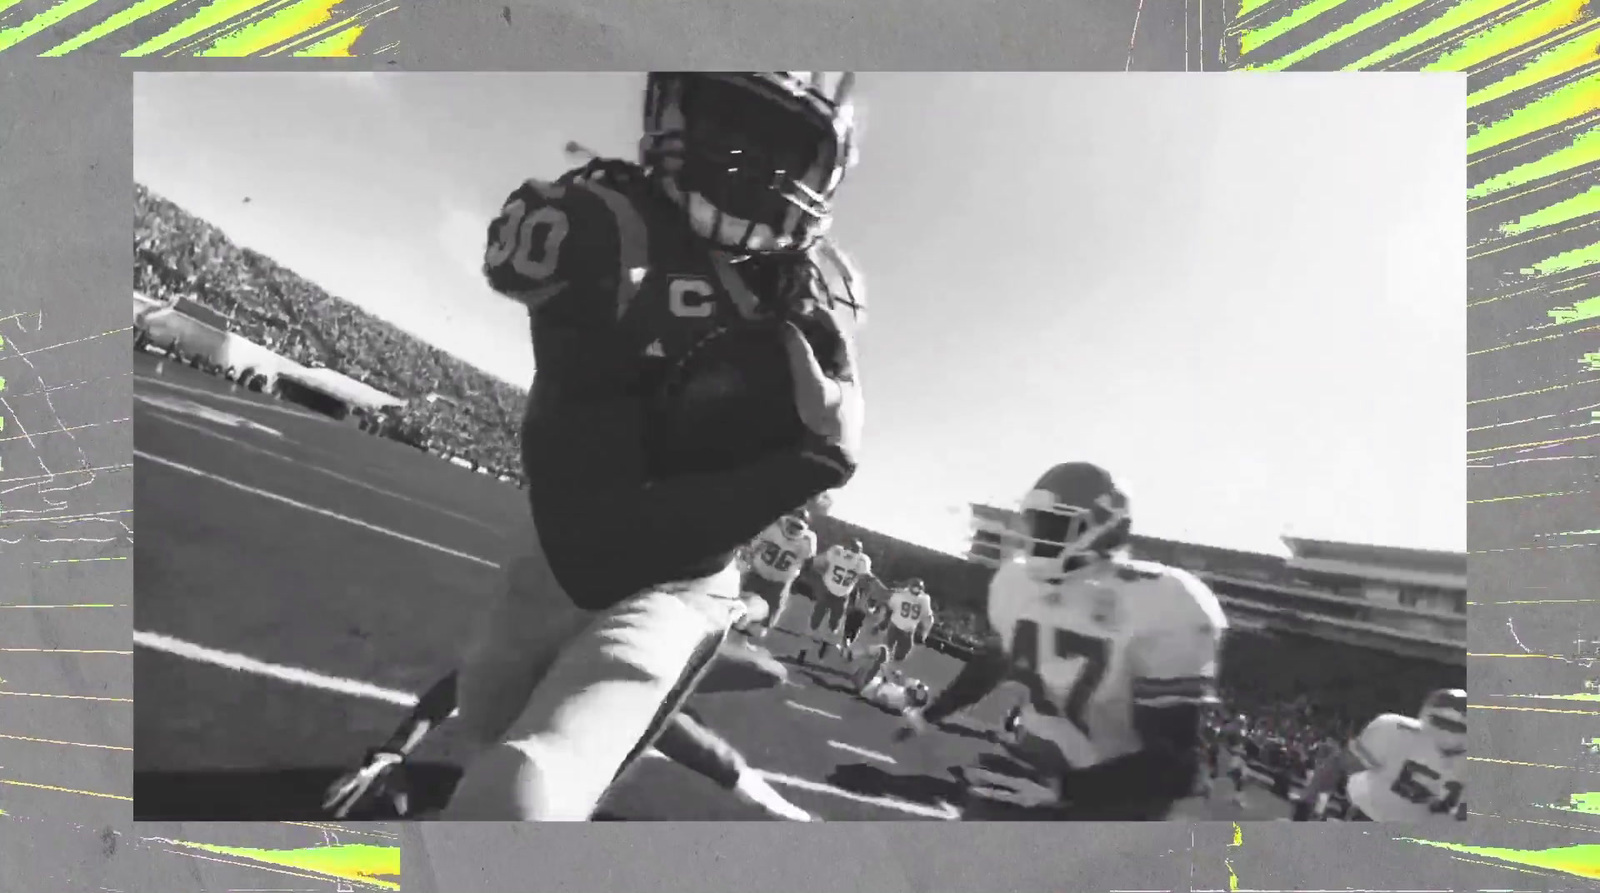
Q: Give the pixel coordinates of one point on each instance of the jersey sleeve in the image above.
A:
(1174, 661)
(865, 568)
(1374, 741)
(565, 250)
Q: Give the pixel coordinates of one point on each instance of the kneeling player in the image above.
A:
(895, 692)
(1401, 769)
(1119, 655)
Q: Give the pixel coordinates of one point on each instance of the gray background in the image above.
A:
(64, 252)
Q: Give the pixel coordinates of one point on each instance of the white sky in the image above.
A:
(1243, 295)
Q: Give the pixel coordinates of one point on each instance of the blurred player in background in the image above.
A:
(775, 558)
(1119, 656)
(861, 614)
(1401, 768)
(895, 692)
(842, 567)
(909, 617)
(1232, 740)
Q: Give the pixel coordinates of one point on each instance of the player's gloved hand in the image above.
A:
(378, 780)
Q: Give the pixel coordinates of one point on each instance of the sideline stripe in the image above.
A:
(358, 689)
(293, 675)
(327, 513)
(943, 811)
(862, 752)
(311, 466)
(229, 398)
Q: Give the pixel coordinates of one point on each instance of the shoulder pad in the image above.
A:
(552, 239)
(1193, 597)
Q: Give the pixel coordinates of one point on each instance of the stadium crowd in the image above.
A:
(452, 408)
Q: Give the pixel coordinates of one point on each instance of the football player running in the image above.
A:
(1119, 656)
(1400, 768)
(775, 560)
(842, 567)
(909, 617)
(1231, 741)
(624, 269)
(860, 614)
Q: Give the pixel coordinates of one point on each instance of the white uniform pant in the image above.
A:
(558, 701)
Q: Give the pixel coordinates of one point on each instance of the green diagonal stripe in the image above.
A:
(111, 25)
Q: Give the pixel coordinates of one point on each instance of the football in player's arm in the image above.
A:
(590, 480)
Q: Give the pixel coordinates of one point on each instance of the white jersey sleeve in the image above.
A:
(926, 623)
(1174, 655)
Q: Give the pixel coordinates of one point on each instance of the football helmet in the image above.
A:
(1444, 719)
(796, 522)
(915, 586)
(854, 547)
(1073, 515)
(753, 158)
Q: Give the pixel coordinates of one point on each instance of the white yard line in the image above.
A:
(327, 513)
(241, 663)
(799, 706)
(861, 752)
(355, 688)
(310, 466)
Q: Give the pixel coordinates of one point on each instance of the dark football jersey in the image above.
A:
(619, 265)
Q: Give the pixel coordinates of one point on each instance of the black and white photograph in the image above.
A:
(799, 446)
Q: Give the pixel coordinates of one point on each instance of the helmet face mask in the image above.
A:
(796, 522)
(1444, 720)
(753, 158)
(1064, 531)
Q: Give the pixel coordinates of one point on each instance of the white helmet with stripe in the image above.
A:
(1444, 719)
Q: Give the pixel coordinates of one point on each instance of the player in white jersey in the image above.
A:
(842, 567)
(908, 618)
(895, 692)
(1119, 656)
(1402, 768)
(776, 559)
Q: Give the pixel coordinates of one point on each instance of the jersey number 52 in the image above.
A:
(1095, 653)
(1407, 786)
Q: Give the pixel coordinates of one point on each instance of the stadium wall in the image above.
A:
(166, 323)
